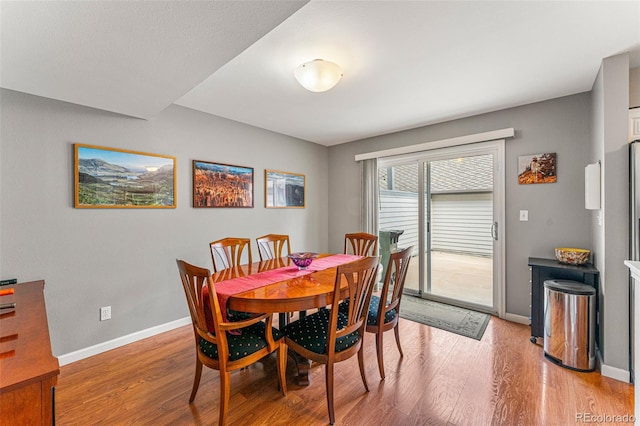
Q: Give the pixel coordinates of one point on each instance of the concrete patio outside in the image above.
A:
(457, 276)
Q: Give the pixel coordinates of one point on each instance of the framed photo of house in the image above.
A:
(117, 178)
(222, 185)
(537, 168)
(283, 189)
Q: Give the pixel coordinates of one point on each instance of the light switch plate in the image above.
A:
(105, 313)
(524, 215)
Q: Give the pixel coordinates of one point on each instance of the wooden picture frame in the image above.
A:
(284, 190)
(120, 178)
(537, 168)
(222, 185)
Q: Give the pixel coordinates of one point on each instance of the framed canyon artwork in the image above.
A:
(222, 185)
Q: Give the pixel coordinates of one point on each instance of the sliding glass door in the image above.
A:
(447, 203)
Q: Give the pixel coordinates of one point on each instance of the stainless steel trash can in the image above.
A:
(569, 324)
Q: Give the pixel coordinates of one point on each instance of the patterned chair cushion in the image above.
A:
(372, 317)
(235, 316)
(251, 340)
(310, 332)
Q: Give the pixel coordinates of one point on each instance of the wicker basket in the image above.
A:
(572, 256)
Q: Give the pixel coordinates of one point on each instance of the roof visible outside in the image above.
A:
(465, 174)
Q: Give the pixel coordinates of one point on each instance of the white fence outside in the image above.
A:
(461, 222)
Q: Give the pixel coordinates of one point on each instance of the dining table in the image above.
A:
(278, 286)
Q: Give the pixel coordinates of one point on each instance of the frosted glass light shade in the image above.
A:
(318, 75)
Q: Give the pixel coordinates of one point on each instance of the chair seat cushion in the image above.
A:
(310, 332)
(372, 318)
(249, 341)
(235, 316)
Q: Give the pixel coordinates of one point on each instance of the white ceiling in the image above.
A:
(134, 58)
(406, 63)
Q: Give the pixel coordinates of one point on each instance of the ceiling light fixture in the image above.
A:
(318, 75)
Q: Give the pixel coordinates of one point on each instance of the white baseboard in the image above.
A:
(517, 318)
(612, 372)
(615, 373)
(121, 341)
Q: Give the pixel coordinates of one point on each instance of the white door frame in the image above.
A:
(496, 148)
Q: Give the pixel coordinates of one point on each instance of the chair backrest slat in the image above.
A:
(394, 279)
(272, 246)
(360, 276)
(194, 280)
(361, 244)
(227, 252)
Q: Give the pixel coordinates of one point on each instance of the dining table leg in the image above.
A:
(303, 366)
(283, 320)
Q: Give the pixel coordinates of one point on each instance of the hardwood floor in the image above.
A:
(443, 379)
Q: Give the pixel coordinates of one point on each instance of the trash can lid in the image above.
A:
(571, 287)
(393, 232)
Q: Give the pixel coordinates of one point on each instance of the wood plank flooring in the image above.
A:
(443, 379)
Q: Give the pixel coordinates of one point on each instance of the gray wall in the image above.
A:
(126, 257)
(557, 217)
(609, 226)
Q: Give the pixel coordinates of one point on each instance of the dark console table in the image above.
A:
(551, 269)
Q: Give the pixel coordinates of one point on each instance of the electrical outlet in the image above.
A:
(105, 313)
(524, 215)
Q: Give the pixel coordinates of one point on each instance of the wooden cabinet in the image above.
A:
(28, 370)
(551, 269)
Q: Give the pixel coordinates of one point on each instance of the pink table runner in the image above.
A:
(226, 289)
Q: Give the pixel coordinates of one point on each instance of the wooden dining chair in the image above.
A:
(384, 311)
(272, 246)
(228, 252)
(361, 244)
(223, 351)
(270, 264)
(330, 336)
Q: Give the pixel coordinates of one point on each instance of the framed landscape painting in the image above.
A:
(222, 185)
(283, 189)
(116, 178)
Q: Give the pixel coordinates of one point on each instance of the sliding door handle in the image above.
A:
(494, 231)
